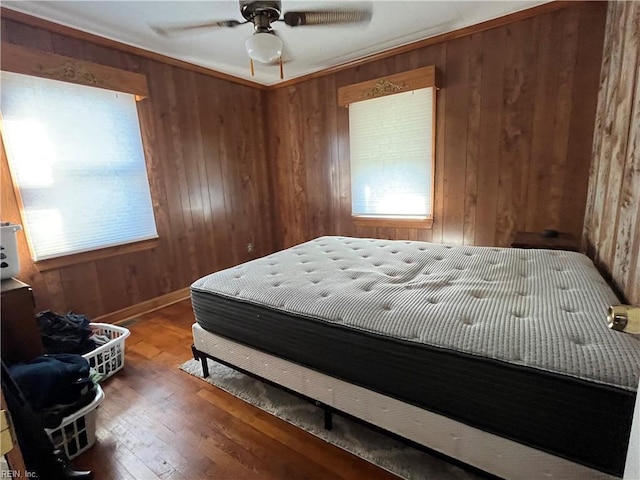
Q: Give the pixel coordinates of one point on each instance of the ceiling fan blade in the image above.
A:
(326, 17)
(169, 29)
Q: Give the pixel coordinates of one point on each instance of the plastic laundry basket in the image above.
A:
(9, 263)
(108, 358)
(77, 432)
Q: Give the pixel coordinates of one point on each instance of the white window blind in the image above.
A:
(76, 155)
(391, 152)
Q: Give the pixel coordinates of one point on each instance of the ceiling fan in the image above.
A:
(264, 45)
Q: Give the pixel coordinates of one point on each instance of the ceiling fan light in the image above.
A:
(264, 47)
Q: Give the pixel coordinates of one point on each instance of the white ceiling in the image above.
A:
(307, 49)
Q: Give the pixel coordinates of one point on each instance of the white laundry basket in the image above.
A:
(9, 262)
(77, 432)
(107, 359)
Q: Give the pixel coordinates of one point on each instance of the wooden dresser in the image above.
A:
(21, 340)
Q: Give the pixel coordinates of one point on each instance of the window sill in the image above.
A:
(426, 223)
(66, 260)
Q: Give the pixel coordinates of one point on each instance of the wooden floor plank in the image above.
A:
(157, 422)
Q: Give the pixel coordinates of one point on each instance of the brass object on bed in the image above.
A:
(624, 318)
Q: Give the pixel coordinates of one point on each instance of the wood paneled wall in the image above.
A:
(205, 148)
(230, 165)
(515, 122)
(612, 220)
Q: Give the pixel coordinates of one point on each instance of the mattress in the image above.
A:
(510, 341)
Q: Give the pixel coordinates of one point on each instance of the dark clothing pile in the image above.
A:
(40, 457)
(55, 385)
(65, 333)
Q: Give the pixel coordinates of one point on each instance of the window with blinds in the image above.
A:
(76, 157)
(391, 146)
(391, 149)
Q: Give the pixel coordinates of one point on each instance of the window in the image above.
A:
(391, 134)
(76, 158)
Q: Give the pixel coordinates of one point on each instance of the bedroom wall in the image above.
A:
(612, 220)
(204, 142)
(515, 119)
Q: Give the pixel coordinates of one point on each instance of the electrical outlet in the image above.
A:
(249, 247)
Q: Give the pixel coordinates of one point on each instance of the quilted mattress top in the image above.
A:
(543, 309)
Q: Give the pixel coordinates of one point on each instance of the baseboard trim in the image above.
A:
(124, 315)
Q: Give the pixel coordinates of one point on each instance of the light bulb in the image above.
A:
(264, 47)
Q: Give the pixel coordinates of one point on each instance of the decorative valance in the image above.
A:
(388, 85)
(37, 63)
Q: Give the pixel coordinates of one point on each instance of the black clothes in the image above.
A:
(39, 455)
(65, 333)
(55, 385)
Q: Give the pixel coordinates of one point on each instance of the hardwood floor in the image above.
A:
(158, 422)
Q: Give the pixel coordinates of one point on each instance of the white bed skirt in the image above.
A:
(491, 453)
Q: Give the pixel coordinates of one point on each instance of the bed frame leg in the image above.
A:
(328, 419)
(205, 366)
(203, 361)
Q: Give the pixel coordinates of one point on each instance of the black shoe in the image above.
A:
(68, 472)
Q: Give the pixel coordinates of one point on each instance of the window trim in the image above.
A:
(92, 255)
(418, 78)
(392, 222)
